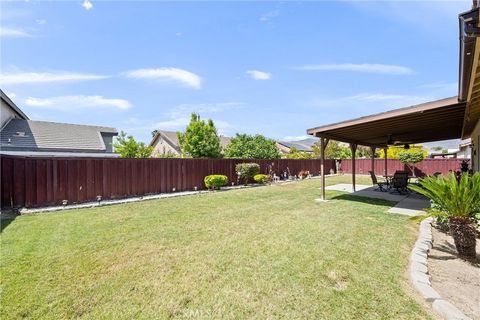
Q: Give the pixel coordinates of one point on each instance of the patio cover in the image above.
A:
(426, 122)
(432, 121)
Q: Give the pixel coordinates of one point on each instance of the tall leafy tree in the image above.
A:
(200, 139)
(246, 146)
(294, 153)
(393, 152)
(128, 147)
(338, 150)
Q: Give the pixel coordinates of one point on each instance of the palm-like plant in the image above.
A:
(458, 200)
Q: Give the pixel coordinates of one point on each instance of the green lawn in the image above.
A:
(267, 252)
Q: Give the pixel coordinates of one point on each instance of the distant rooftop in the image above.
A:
(31, 135)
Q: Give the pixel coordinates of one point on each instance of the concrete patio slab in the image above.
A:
(411, 204)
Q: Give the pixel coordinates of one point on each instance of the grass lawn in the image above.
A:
(267, 252)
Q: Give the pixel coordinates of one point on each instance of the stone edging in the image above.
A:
(419, 278)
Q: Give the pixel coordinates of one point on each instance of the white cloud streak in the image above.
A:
(73, 103)
(297, 138)
(172, 74)
(87, 5)
(180, 115)
(365, 67)
(185, 110)
(259, 75)
(45, 77)
(269, 15)
(362, 99)
(6, 32)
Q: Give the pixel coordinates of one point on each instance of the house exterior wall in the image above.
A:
(476, 147)
(162, 147)
(7, 113)
(108, 141)
(282, 149)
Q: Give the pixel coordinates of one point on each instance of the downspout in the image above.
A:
(469, 30)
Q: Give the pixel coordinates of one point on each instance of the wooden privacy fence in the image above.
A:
(45, 181)
(426, 167)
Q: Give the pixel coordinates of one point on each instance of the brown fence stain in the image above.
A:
(45, 181)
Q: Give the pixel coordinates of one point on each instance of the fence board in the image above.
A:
(426, 167)
(35, 182)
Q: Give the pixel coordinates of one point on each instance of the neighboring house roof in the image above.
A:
(12, 105)
(171, 138)
(31, 135)
(304, 145)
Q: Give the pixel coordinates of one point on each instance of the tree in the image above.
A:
(295, 154)
(338, 150)
(200, 139)
(393, 152)
(244, 146)
(127, 147)
(410, 158)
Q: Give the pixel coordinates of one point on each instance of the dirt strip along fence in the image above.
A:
(425, 168)
(46, 181)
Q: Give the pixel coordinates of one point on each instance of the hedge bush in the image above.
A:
(261, 178)
(246, 171)
(215, 181)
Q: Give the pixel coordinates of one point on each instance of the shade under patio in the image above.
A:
(426, 122)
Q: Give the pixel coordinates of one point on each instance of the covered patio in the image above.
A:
(426, 122)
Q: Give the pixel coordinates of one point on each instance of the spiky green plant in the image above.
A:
(458, 200)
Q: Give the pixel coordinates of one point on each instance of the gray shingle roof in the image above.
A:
(301, 145)
(21, 134)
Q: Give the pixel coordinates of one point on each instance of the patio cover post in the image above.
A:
(353, 147)
(323, 145)
(373, 158)
(386, 161)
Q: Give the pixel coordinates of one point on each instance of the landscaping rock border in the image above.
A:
(420, 279)
(91, 204)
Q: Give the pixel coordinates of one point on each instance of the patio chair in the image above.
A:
(400, 182)
(382, 185)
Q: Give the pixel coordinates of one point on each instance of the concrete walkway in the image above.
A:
(411, 204)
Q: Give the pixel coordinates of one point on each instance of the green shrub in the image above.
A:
(215, 181)
(246, 171)
(261, 178)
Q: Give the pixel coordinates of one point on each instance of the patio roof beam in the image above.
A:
(323, 146)
(431, 121)
(349, 141)
(353, 147)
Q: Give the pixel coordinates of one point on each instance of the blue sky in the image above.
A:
(275, 68)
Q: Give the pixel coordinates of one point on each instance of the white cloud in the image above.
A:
(259, 75)
(6, 32)
(185, 110)
(362, 99)
(180, 115)
(72, 103)
(179, 75)
(178, 34)
(41, 21)
(364, 67)
(87, 5)
(297, 138)
(45, 77)
(269, 15)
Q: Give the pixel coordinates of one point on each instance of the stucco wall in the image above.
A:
(6, 113)
(108, 141)
(162, 147)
